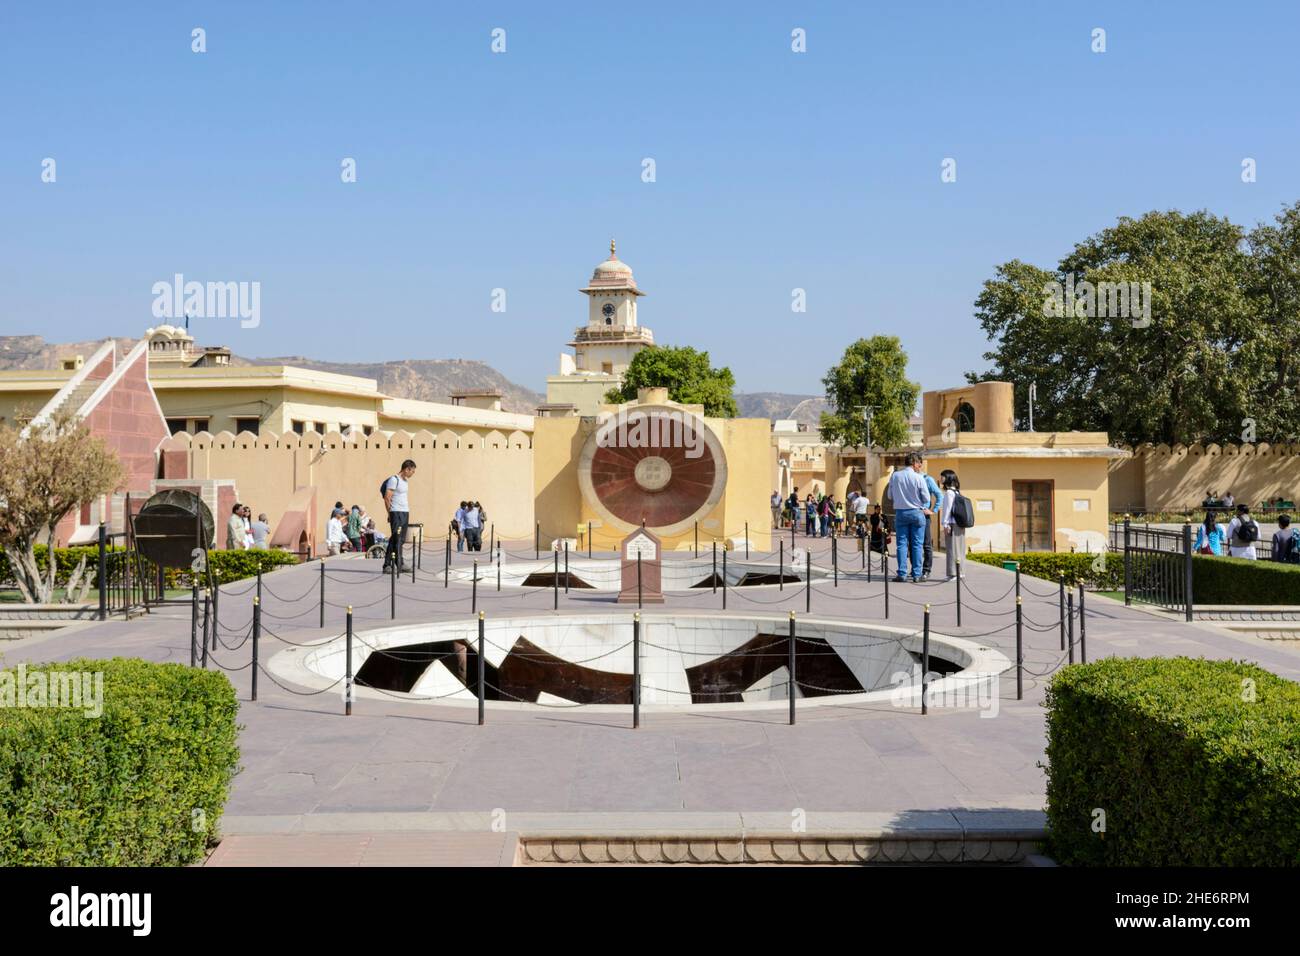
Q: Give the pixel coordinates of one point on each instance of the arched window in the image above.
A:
(965, 417)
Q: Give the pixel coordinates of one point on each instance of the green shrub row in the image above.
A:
(1100, 572)
(1217, 580)
(143, 784)
(226, 566)
(1173, 762)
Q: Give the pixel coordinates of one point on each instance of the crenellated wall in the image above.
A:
(1161, 478)
(495, 468)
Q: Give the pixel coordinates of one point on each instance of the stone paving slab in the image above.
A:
(303, 760)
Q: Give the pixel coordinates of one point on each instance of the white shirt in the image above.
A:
(860, 505)
(398, 486)
(945, 508)
(1234, 550)
(334, 531)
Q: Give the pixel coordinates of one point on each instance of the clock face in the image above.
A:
(608, 310)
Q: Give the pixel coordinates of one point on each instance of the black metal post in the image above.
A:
(1020, 650)
(101, 572)
(392, 591)
(415, 555)
(636, 671)
(259, 579)
(925, 660)
(216, 612)
(885, 577)
(482, 681)
(638, 579)
(697, 539)
(446, 562)
(1017, 580)
(537, 540)
(206, 605)
(498, 569)
(746, 540)
(566, 565)
(807, 574)
(194, 622)
(715, 567)
(958, 582)
(1187, 571)
(588, 539)
(555, 579)
(792, 524)
(347, 673)
(322, 592)
(473, 590)
(780, 567)
(492, 537)
(1069, 602)
(1083, 628)
(724, 579)
(1061, 579)
(257, 634)
(1128, 564)
(791, 667)
(835, 560)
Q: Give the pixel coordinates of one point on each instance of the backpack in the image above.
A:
(963, 515)
(1292, 555)
(383, 486)
(1248, 531)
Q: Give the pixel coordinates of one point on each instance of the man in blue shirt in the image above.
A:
(911, 496)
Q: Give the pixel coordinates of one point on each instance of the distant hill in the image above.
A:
(777, 405)
(430, 380)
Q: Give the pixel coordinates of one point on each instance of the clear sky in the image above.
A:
(775, 170)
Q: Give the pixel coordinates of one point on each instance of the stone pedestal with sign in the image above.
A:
(648, 547)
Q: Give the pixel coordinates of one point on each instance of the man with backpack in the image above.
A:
(394, 489)
(1243, 532)
(1286, 541)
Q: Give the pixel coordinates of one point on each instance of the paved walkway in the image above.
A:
(306, 767)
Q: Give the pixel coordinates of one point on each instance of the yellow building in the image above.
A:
(1032, 491)
(653, 462)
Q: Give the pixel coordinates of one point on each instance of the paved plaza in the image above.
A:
(428, 769)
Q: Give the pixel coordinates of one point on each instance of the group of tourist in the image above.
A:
(245, 534)
(820, 515)
(351, 529)
(1239, 537)
(917, 498)
(467, 526)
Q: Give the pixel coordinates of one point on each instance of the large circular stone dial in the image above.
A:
(653, 464)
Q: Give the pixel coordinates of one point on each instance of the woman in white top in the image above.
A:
(954, 535)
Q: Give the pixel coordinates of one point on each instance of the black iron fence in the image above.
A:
(1158, 567)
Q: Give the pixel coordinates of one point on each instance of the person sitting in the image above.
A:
(1210, 536)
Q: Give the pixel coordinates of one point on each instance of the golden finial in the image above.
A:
(611, 249)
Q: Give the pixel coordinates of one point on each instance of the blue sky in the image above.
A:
(476, 171)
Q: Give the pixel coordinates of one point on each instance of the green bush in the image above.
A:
(226, 566)
(1226, 580)
(1189, 766)
(230, 566)
(1100, 572)
(144, 784)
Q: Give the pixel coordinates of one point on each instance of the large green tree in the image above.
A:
(871, 378)
(1188, 368)
(687, 375)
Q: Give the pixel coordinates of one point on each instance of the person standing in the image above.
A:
(810, 515)
(399, 514)
(1285, 541)
(1243, 532)
(249, 540)
(776, 510)
(459, 519)
(473, 527)
(1210, 535)
(860, 506)
(334, 536)
(911, 497)
(261, 532)
(935, 497)
(354, 529)
(235, 529)
(954, 535)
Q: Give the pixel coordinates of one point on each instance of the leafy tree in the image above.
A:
(872, 373)
(1187, 369)
(686, 374)
(44, 474)
(1274, 284)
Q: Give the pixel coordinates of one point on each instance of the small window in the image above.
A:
(200, 425)
(249, 425)
(368, 429)
(299, 427)
(320, 428)
(176, 425)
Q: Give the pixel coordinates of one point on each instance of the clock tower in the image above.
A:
(603, 348)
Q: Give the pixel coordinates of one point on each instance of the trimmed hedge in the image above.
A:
(1077, 567)
(121, 789)
(1224, 580)
(1188, 769)
(226, 566)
